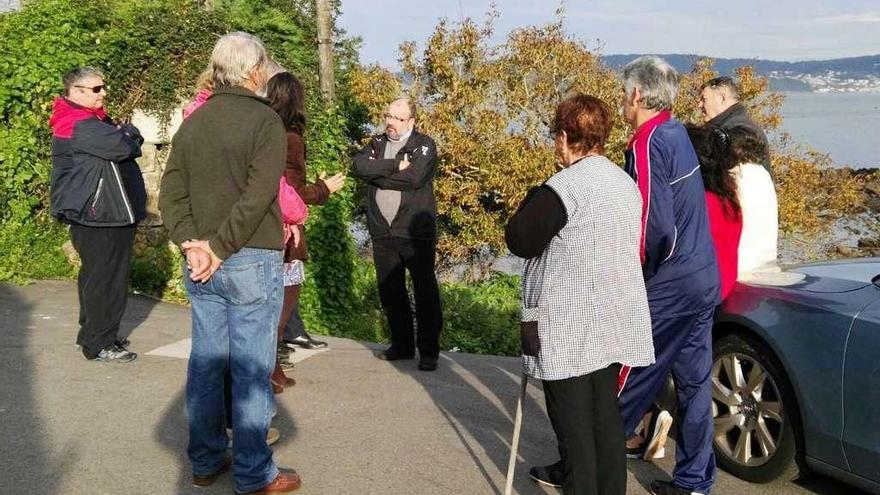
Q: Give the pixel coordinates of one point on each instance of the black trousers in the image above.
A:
(393, 256)
(584, 414)
(105, 253)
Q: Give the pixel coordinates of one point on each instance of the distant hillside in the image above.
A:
(841, 74)
(863, 66)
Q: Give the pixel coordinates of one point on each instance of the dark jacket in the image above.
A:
(312, 194)
(678, 256)
(221, 181)
(417, 216)
(95, 179)
(737, 116)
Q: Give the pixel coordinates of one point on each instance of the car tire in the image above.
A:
(767, 413)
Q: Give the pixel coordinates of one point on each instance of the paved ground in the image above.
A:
(351, 425)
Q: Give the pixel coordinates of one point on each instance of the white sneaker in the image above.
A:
(656, 448)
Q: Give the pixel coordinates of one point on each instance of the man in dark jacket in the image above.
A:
(219, 202)
(719, 103)
(97, 189)
(398, 167)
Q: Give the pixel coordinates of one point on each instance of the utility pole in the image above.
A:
(325, 51)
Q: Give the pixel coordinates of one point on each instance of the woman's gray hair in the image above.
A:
(78, 75)
(656, 80)
(235, 56)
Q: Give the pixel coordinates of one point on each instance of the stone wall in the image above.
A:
(154, 152)
(9, 5)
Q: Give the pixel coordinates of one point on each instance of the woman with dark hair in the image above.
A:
(287, 97)
(584, 305)
(712, 145)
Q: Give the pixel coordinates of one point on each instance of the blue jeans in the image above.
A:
(234, 323)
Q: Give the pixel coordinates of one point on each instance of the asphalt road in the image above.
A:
(351, 425)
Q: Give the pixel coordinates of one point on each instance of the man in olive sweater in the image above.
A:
(218, 201)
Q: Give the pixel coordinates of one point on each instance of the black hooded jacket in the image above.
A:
(95, 179)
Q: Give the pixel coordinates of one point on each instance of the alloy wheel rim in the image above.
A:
(747, 410)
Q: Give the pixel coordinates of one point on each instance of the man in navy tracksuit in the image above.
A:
(681, 277)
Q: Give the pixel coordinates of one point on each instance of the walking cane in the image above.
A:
(514, 444)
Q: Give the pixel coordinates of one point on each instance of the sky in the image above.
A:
(788, 30)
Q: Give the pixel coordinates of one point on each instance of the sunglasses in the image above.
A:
(95, 89)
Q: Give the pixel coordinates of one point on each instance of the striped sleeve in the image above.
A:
(650, 167)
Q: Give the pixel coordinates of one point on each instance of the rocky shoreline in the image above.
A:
(853, 236)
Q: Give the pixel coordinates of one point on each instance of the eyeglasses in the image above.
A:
(95, 89)
(394, 117)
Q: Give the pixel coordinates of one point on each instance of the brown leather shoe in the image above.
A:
(279, 379)
(283, 483)
(209, 479)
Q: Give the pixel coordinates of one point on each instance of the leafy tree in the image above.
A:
(489, 108)
(151, 53)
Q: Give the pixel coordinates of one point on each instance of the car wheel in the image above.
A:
(755, 413)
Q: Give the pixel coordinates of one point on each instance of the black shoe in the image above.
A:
(307, 342)
(392, 355)
(636, 452)
(113, 354)
(284, 357)
(550, 475)
(668, 488)
(124, 343)
(427, 363)
(287, 345)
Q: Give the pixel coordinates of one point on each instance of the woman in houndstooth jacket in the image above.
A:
(584, 307)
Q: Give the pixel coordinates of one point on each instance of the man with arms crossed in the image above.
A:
(398, 167)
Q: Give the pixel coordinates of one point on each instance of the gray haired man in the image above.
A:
(218, 201)
(98, 190)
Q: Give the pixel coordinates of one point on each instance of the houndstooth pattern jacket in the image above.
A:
(586, 290)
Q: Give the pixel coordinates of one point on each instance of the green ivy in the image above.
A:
(151, 52)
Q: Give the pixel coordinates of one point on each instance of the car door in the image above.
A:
(861, 434)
